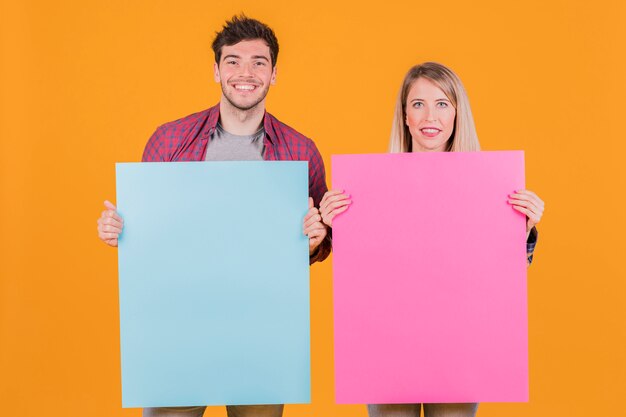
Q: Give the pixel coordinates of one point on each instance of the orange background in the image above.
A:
(83, 85)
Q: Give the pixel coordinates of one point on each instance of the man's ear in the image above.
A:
(216, 73)
(273, 79)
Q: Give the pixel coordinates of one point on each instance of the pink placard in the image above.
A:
(430, 279)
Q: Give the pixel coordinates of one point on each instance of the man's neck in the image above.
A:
(241, 122)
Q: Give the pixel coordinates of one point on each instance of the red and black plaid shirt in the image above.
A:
(186, 139)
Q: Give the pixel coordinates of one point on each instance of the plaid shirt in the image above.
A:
(186, 139)
(531, 242)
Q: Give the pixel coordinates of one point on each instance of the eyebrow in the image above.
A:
(253, 57)
(438, 99)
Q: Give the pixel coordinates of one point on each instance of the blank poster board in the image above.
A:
(430, 279)
(214, 283)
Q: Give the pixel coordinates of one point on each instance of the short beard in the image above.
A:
(248, 107)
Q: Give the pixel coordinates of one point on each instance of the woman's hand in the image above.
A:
(530, 204)
(333, 203)
(313, 227)
(110, 225)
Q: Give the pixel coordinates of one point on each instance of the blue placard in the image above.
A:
(214, 283)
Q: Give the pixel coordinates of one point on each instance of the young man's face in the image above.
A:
(245, 73)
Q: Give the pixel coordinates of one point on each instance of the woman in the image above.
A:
(433, 115)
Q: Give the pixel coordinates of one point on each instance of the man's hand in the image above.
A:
(313, 227)
(110, 225)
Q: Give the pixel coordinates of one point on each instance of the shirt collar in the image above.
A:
(214, 117)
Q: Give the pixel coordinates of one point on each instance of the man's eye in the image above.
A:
(260, 64)
(231, 62)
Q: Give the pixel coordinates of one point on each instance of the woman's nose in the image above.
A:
(431, 114)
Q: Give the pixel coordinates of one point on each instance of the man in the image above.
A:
(238, 128)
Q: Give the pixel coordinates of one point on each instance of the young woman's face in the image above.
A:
(429, 116)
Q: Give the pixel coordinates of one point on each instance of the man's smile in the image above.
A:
(239, 86)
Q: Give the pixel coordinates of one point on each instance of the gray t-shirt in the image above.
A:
(225, 146)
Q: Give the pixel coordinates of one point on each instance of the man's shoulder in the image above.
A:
(288, 133)
(180, 139)
(187, 123)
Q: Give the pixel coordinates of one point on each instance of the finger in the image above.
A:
(531, 195)
(109, 205)
(111, 242)
(523, 210)
(528, 198)
(317, 218)
(111, 214)
(314, 243)
(330, 214)
(336, 205)
(532, 199)
(330, 193)
(312, 211)
(104, 228)
(311, 202)
(333, 205)
(531, 216)
(526, 192)
(109, 229)
(112, 221)
(340, 210)
(317, 234)
(108, 236)
(314, 226)
(524, 203)
(328, 219)
(335, 198)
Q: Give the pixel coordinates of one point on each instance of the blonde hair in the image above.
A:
(463, 138)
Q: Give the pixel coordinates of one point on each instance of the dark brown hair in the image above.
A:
(242, 28)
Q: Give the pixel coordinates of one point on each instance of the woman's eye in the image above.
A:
(418, 104)
(442, 104)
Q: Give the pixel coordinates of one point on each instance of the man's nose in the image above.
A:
(246, 70)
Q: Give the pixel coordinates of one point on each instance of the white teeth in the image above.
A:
(430, 130)
(245, 87)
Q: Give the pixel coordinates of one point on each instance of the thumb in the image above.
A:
(310, 202)
(109, 205)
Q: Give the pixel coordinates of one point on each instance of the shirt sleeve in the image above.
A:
(317, 189)
(154, 150)
(531, 242)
